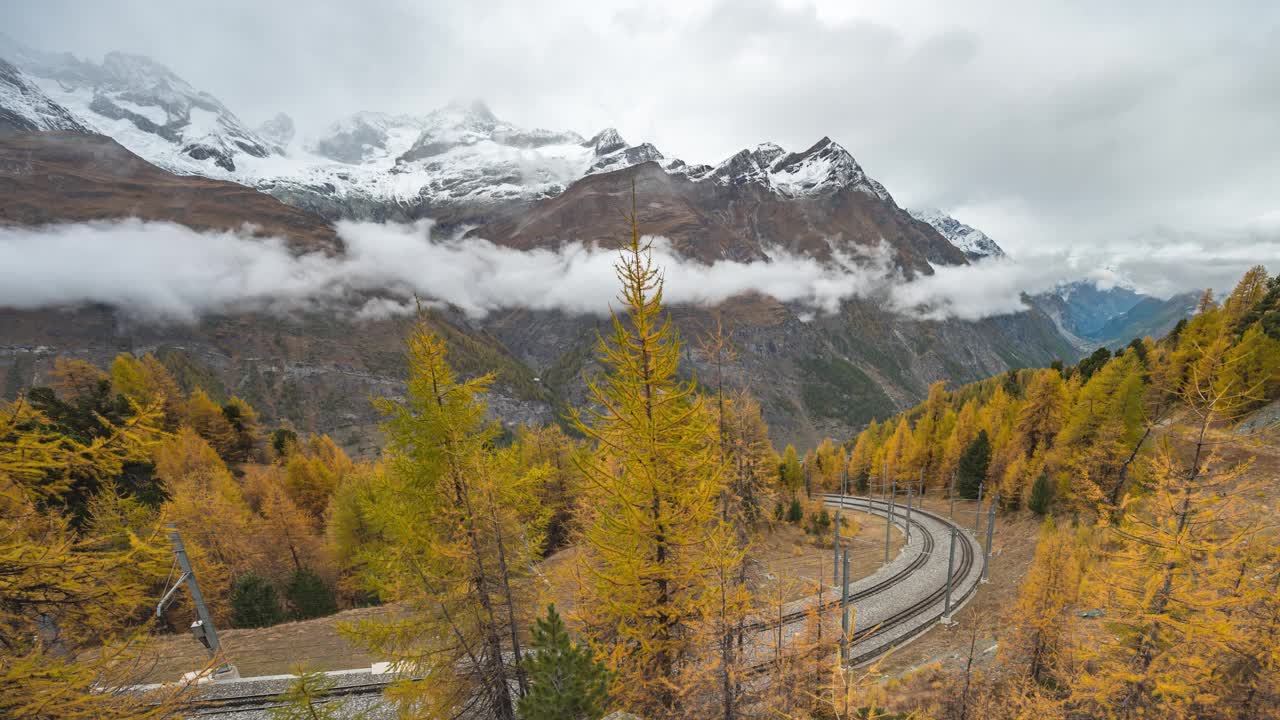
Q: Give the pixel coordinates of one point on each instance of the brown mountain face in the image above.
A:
(709, 221)
(53, 177)
(815, 376)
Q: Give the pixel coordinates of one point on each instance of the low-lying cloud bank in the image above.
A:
(163, 271)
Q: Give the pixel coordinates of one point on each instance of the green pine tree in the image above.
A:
(973, 465)
(565, 680)
(309, 596)
(862, 482)
(254, 603)
(795, 513)
(1041, 494)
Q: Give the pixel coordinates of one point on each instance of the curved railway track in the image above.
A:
(906, 623)
(866, 644)
(921, 612)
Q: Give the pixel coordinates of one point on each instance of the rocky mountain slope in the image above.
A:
(458, 165)
(816, 375)
(178, 154)
(1149, 317)
(23, 106)
(735, 213)
(61, 176)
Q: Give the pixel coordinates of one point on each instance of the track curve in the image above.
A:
(892, 606)
(901, 611)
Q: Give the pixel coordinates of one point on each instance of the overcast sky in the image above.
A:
(1047, 124)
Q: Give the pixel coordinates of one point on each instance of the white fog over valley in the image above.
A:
(1100, 162)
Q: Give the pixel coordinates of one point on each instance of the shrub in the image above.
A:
(309, 596)
(1041, 494)
(254, 603)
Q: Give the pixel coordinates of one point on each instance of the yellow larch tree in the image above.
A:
(653, 489)
(1040, 621)
(459, 529)
(63, 592)
(1167, 568)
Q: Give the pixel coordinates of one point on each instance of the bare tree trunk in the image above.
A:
(521, 679)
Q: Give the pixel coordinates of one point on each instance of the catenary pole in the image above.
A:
(951, 562)
(909, 514)
(951, 494)
(991, 527)
(197, 598)
(835, 551)
(844, 605)
(977, 514)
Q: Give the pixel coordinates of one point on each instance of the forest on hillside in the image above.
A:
(663, 488)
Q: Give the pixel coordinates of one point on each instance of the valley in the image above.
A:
(673, 385)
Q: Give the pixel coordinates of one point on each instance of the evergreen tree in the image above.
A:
(309, 596)
(254, 603)
(1090, 365)
(1041, 494)
(283, 441)
(973, 466)
(862, 482)
(566, 682)
(795, 513)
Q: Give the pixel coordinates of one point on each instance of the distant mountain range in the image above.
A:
(91, 125)
(1087, 314)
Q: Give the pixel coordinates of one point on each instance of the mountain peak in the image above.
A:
(606, 141)
(971, 241)
(129, 70)
(824, 168)
(471, 112)
(766, 153)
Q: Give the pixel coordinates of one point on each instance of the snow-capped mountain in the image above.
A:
(971, 241)
(821, 169)
(459, 164)
(145, 107)
(23, 106)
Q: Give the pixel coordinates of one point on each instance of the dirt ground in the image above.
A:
(785, 555)
(798, 561)
(276, 650)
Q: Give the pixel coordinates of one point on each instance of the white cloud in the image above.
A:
(171, 272)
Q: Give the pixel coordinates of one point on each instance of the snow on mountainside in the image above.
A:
(24, 107)
(459, 164)
(145, 107)
(823, 168)
(971, 241)
(279, 131)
